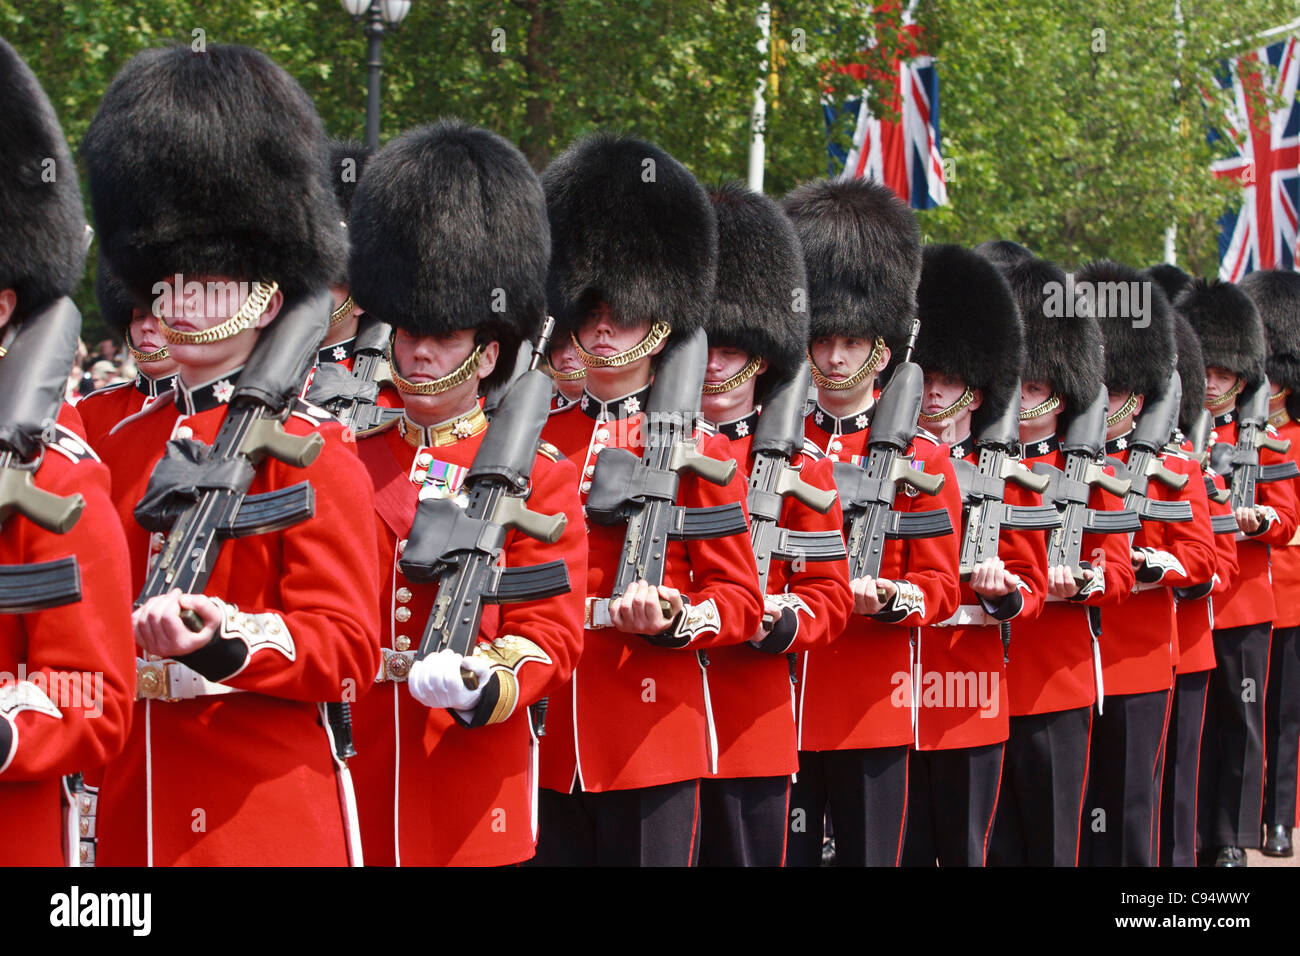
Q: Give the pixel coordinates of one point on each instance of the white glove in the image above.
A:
(436, 681)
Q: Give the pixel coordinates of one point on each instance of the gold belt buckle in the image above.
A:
(151, 682)
(397, 667)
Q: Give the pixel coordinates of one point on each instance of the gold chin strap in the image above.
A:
(1123, 411)
(342, 312)
(559, 376)
(740, 378)
(459, 377)
(658, 332)
(967, 397)
(1052, 403)
(245, 318)
(868, 368)
(144, 358)
(1227, 397)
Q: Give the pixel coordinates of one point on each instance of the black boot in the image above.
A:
(1231, 856)
(1277, 841)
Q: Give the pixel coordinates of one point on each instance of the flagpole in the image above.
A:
(758, 115)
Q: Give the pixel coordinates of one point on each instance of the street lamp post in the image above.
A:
(379, 15)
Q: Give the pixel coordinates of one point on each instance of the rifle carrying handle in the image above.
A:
(710, 469)
(1022, 476)
(1279, 445)
(50, 511)
(268, 438)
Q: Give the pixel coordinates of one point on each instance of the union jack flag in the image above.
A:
(902, 154)
(1262, 233)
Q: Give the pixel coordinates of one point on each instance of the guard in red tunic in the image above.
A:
(1195, 613)
(757, 338)
(629, 737)
(1054, 668)
(446, 775)
(66, 672)
(971, 346)
(155, 374)
(862, 251)
(1276, 295)
(569, 374)
(1139, 649)
(230, 761)
(1232, 748)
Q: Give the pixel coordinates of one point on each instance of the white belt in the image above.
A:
(969, 615)
(597, 614)
(1148, 586)
(396, 666)
(172, 681)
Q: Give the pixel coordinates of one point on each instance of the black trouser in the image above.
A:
(1122, 805)
(1043, 777)
(650, 826)
(1282, 727)
(866, 793)
(743, 821)
(951, 799)
(1182, 770)
(1232, 745)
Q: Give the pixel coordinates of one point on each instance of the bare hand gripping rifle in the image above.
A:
(352, 396)
(778, 437)
(33, 376)
(867, 492)
(983, 488)
(642, 491)
(1083, 443)
(1241, 460)
(459, 547)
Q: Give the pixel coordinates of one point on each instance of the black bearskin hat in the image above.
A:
(347, 160)
(630, 226)
(1170, 278)
(862, 248)
(760, 300)
(212, 164)
(1276, 295)
(1003, 252)
(970, 326)
(1228, 325)
(115, 302)
(1064, 351)
(1191, 371)
(449, 232)
(43, 250)
(1138, 335)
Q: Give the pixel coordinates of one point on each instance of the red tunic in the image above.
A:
(430, 790)
(101, 410)
(1286, 559)
(1250, 598)
(856, 693)
(1196, 615)
(68, 676)
(634, 714)
(1139, 649)
(248, 778)
(1051, 666)
(963, 694)
(753, 698)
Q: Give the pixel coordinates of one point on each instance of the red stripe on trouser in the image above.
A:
(988, 830)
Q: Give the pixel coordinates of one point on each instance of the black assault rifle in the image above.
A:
(1241, 460)
(352, 396)
(1150, 433)
(867, 492)
(32, 379)
(460, 547)
(983, 488)
(642, 491)
(1199, 436)
(1083, 443)
(778, 436)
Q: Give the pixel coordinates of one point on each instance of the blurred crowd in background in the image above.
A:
(109, 364)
